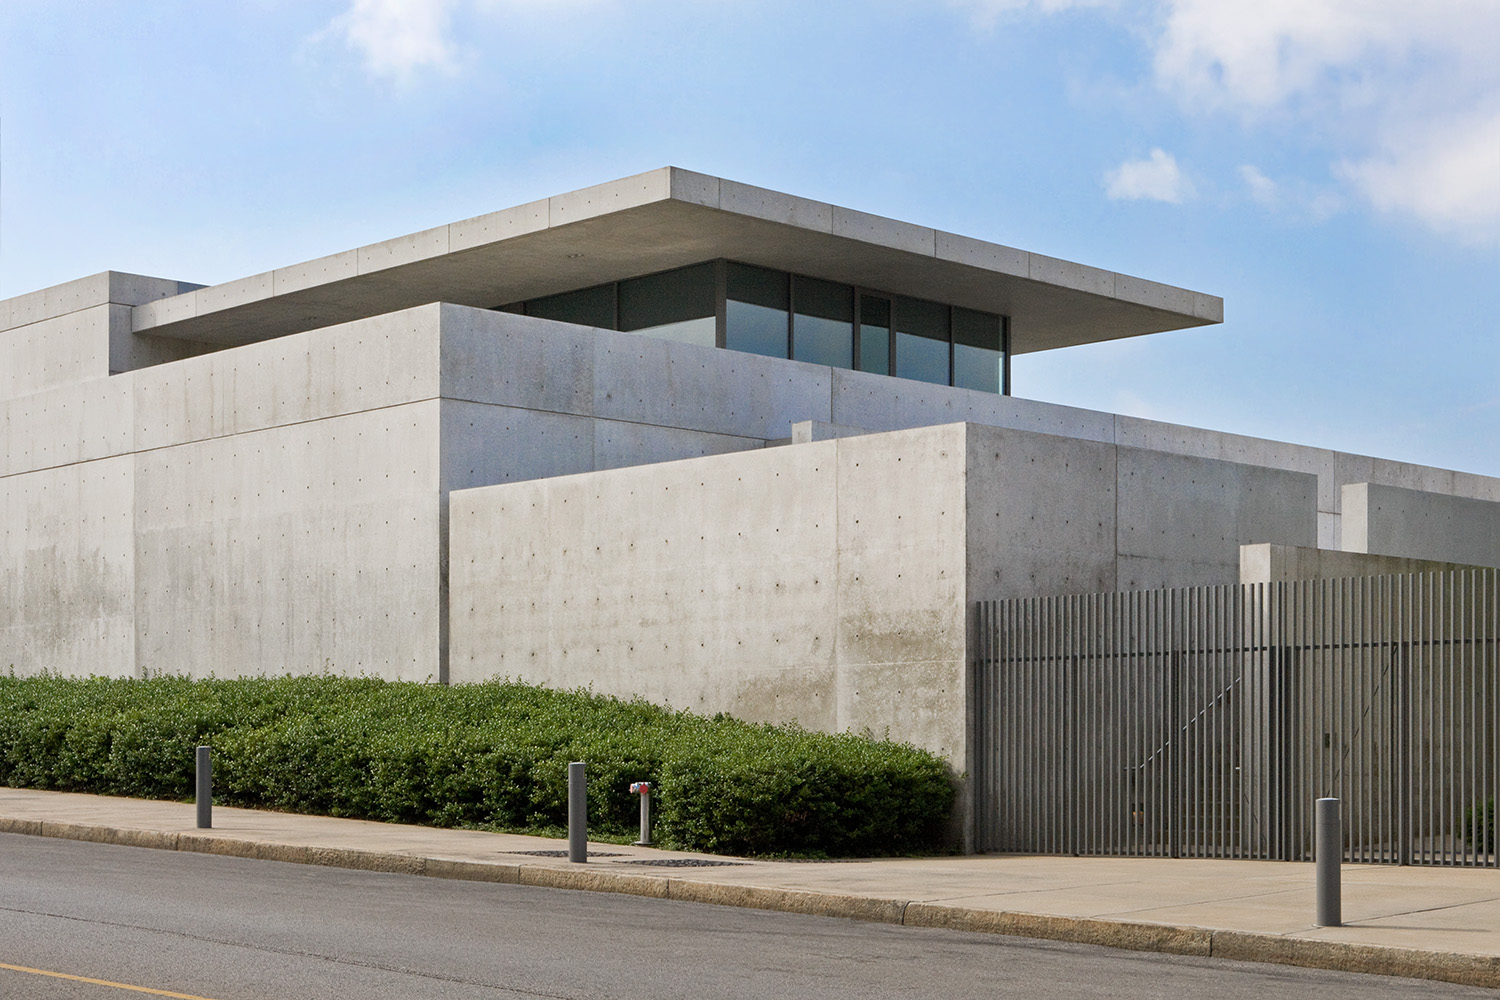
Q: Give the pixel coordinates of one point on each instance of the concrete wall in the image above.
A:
(56, 351)
(1281, 563)
(310, 503)
(732, 401)
(300, 547)
(272, 509)
(830, 582)
(67, 569)
(1387, 520)
(1054, 515)
(282, 506)
(528, 398)
(1042, 514)
(1182, 519)
(391, 414)
(81, 330)
(822, 583)
(902, 586)
(875, 403)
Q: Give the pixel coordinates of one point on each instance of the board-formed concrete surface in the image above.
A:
(1428, 923)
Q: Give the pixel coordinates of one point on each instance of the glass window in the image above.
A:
(978, 361)
(586, 307)
(833, 324)
(922, 340)
(676, 305)
(755, 310)
(874, 335)
(823, 328)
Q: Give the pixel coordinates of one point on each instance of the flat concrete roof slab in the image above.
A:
(669, 218)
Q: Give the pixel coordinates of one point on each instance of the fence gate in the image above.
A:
(1204, 722)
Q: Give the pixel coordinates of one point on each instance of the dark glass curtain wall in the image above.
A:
(723, 303)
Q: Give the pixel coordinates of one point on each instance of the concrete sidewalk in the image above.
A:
(1431, 923)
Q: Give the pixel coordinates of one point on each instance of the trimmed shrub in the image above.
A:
(490, 755)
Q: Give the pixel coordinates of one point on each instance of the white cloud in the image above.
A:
(397, 38)
(1446, 173)
(1406, 94)
(400, 38)
(1157, 178)
(1258, 55)
(1410, 90)
(1262, 188)
(1293, 197)
(1273, 51)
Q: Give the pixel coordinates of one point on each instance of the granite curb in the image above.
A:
(1245, 946)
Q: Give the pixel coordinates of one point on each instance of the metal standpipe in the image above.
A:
(578, 813)
(643, 788)
(205, 789)
(1327, 857)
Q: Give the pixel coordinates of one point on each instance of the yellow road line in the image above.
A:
(102, 982)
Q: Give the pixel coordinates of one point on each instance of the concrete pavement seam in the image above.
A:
(1247, 946)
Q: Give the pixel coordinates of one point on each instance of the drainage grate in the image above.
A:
(563, 854)
(682, 863)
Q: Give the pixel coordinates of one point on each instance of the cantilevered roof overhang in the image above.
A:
(668, 218)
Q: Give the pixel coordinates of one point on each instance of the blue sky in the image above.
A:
(1330, 167)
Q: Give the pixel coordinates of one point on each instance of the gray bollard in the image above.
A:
(578, 813)
(205, 789)
(643, 788)
(1328, 856)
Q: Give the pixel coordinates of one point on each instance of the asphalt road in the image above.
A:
(231, 929)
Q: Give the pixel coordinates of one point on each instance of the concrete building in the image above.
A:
(672, 436)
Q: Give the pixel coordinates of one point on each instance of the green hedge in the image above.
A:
(1478, 825)
(490, 755)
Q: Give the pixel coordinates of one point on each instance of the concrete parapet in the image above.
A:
(1182, 520)
(1266, 563)
(1392, 521)
(95, 290)
(59, 351)
(807, 431)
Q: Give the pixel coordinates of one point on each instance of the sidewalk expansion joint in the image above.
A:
(1115, 914)
(1435, 909)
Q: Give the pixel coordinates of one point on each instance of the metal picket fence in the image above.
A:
(1205, 721)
